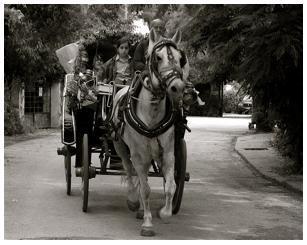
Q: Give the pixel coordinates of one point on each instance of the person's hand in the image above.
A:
(189, 94)
(72, 87)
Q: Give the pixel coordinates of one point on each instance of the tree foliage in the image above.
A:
(34, 32)
(32, 38)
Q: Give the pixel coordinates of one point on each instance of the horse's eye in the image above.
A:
(159, 58)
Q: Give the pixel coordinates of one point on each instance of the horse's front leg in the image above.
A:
(142, 168)
(132, 181)
(170, 185)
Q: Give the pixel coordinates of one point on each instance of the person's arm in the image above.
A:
(107, 70)
(101, 74)
(81, 59)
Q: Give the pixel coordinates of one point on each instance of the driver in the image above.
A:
(140, 53)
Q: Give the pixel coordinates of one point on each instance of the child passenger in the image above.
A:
(119, 69)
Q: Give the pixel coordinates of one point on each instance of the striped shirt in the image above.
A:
(122, 69)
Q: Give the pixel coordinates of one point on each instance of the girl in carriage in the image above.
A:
(119, 68)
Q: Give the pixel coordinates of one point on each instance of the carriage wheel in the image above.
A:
(85, 168)
(180, 169)
(67, 164)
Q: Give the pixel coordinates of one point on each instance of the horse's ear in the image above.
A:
(186, 70)
(177, 37)
(153, 37)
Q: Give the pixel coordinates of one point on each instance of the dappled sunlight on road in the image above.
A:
(219, 123)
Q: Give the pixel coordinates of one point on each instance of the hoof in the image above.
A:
(147, 232)
(158, 212)
(140, 214)
(133, 206)
(166, 219)
(159, 215)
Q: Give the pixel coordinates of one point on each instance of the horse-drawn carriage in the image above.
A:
(94, 132)
(91, 136)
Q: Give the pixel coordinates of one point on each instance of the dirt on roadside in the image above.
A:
(39, 133)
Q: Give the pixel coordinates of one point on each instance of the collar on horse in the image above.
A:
(127, 106)
(141, 128)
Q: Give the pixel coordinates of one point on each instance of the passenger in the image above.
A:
(92, 52)
(119, 68)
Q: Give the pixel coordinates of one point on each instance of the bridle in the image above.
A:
(174, 68)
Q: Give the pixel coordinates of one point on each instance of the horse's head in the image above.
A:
(168, 66)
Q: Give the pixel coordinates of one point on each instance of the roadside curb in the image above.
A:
(237, 116)
(272, 179)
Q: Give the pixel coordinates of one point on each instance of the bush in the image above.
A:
(290, 145)
(230, 102)
(262, 122)
(12, 124)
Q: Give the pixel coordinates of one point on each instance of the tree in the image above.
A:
(261, 47)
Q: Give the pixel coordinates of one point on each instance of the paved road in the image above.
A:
(223, 200)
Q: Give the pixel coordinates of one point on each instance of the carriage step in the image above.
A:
(66, 149)
(187, 177)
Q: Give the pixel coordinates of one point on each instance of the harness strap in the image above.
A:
(165, 42)
(171, 76)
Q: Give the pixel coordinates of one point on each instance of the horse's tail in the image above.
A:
(116, 118)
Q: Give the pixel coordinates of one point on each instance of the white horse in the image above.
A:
(138, 145)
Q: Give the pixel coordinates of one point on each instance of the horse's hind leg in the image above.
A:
(133, 200)
(132, 180)
(170, 185)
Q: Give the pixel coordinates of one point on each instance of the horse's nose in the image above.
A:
(174, 89)
(177, 86)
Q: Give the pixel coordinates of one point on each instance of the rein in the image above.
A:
(150, 101)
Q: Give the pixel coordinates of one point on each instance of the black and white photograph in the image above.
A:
(152, 121)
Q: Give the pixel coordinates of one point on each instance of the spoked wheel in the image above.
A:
(180, 171)
(85, 168)
(67, 164)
